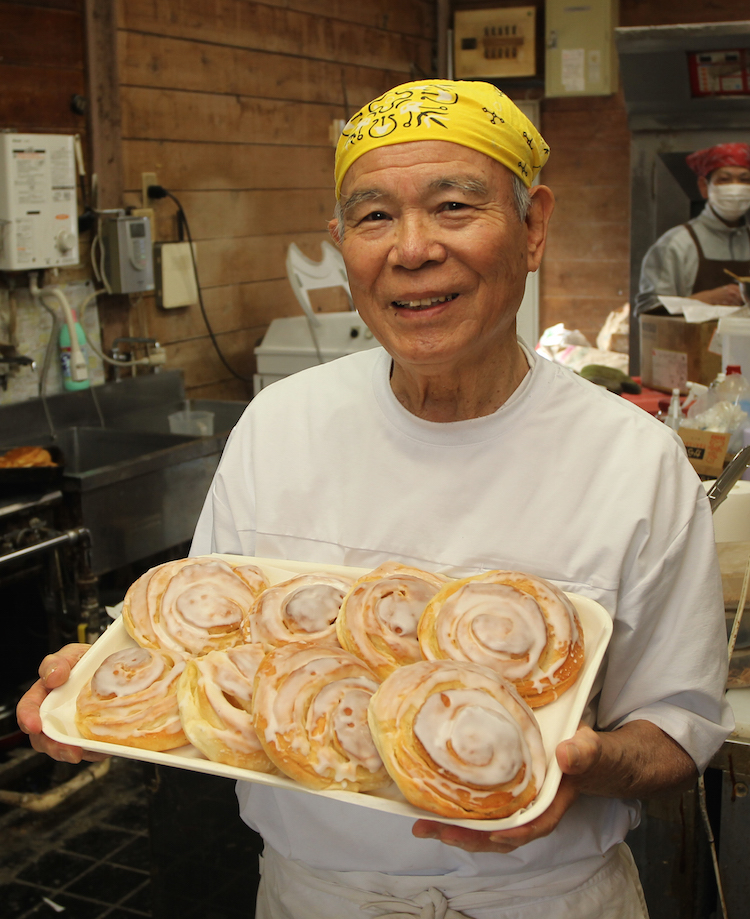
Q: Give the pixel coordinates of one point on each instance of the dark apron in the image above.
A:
(711, 272)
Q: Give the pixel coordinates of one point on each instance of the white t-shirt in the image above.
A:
(565, 481)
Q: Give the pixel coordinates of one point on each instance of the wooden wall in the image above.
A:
(586, 268)
(41, 65)
(231, 105)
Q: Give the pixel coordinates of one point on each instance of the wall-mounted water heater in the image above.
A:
(38, 206)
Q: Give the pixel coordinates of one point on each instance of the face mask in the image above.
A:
(729, 201)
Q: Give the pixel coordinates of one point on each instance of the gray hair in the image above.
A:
(521, 199)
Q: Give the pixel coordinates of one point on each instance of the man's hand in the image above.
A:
(53, 672)
(728, 295)
(636, 760)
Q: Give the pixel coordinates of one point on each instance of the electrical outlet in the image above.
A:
(147, 178)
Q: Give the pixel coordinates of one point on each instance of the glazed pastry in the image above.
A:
(379, 615)
(310, 712)
(520, 625)
(215, 695)
(132, 700)
(303, 608)
(24, 457)
(458, 740)
(192, 605)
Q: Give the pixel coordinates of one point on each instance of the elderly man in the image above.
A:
(456, 449)
(689, 260)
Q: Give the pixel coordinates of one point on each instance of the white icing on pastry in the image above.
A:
(127, 672)
(303, 608)
(310, 711)
(380, 614)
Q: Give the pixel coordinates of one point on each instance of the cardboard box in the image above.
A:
(706, 450)
(674, 352)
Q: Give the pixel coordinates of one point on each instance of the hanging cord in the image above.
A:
(702, 803)
(158, 191)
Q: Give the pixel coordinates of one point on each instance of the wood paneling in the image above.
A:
(40, 100)
(242, 24)
(40, 37)
(252, 258)
(161, 113)
(217, 214)
(168, 63)
(206, 166)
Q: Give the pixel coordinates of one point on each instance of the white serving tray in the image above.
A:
(557, 721)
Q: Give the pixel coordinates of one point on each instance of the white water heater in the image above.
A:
(38, 204)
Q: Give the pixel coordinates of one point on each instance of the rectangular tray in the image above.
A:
(557, 721)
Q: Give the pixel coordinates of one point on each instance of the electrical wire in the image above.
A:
(158, 191)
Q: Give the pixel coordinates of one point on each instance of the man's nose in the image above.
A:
(416, 243)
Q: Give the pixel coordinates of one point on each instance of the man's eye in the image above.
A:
(375, 215)
(454, 206)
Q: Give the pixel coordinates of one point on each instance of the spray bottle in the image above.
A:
(65, 354)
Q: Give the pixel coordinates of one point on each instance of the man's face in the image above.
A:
(436, 254)
(724, 175)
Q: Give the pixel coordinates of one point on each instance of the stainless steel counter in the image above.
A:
(137, 487)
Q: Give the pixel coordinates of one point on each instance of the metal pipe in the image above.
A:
(77, 534)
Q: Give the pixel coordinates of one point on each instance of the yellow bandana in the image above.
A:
(472, 114)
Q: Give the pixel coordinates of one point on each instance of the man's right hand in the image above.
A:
(53, 672)
(728, 295)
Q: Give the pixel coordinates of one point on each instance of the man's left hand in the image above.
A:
(636, 760)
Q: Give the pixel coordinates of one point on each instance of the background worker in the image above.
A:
(689, 260)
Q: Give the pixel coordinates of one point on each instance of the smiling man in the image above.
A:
(455, 449)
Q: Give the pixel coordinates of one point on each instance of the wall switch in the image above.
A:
(175, 275)
(147, 178)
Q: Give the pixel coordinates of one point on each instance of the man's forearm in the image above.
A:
(637, 760)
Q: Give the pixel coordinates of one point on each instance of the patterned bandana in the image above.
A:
(472, 114)
(703, 162)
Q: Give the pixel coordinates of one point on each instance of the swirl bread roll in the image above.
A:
(303, 608)
(132, 700)
(310, 711)
(215, 696)
(191, 605)
(458, 740)
(519, 625)
(379, 616)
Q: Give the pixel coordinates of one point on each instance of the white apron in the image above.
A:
(290, 890)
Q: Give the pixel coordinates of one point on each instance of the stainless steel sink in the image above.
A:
(136, 486)
(93, 450)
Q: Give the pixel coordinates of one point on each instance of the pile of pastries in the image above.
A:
(26, 457)
(400, 675)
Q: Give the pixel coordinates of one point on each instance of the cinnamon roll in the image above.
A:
(303, 608)
(132, 700)
(520, 625)
(458, 740)
(379, 615)
(310, 712)
(191, 605)
(215, 696)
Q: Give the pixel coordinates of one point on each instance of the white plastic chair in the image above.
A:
(305, 274)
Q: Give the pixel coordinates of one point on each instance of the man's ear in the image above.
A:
(537, 221)
(703, 186)
(333, 230)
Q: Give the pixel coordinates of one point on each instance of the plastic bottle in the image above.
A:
(64, 342)
(735, 388)
(674, 417)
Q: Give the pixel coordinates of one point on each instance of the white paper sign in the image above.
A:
(573, 76)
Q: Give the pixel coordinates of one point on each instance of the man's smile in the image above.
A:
(424, 302)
